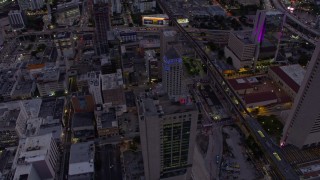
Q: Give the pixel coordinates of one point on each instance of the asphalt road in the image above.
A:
(282, 166)
(110, 165)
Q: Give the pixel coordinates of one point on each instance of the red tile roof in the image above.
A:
(259, 97)
(239, 86)
(287, 79)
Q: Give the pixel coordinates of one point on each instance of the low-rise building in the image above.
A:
(23, 89)
(8, 134)
(83, 103)
(107, 123)
(112, 88)
(241, 85)
(50, 81)
(81, 161)
(82, 126)
(289, 78)
(253, 100)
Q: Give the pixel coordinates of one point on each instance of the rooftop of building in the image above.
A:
(48, 75)
(67, 5)
(82, 119)
(292, 75)
(243, 83)
(244, 37)
(111, 81)
(259, 97)
(23, 87)
(35, 148)
(108, 120)
(154, 104)
(32, 107)
(156, 16)
(51, 109)
(8, 118)
(172, 54)
(6, 87)
(55, 129)
(81, 158)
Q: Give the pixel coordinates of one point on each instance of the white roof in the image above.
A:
(111, 81)
(81, 168)
(295, 72)
(36, 148)
(81, 159)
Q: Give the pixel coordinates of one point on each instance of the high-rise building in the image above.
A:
(168, 38)
(172, 73)
(302, 128)
(81, 161)
(240, 49)
(102, 22)
(167, 133)
(116, 5)
(17, 19)
(36, 158)
(267, 32)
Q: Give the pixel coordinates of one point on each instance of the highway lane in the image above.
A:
(283, 167)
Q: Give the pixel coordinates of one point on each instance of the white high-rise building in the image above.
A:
(36, 158)
(167, 133)
(302, 128)
(172, 74)
(95, 88)
(16, 19)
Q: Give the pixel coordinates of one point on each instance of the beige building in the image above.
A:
(289, 78)
(167, 133)
(302, 128)
(240, 49)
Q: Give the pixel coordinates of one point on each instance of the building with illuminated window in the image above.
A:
(172, 73)
(267, 33)
(302, 128)
(102, 23)
(167, 133)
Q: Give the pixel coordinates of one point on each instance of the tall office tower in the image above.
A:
(168, 38)
(302, 128)
(102, 20)
(172, 74)
(116, 5)
(241, 49)
(167, 133)
(266, 33)
(17, 19)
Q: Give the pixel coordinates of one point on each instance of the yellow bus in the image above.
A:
(277, 156)
(261, 134)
